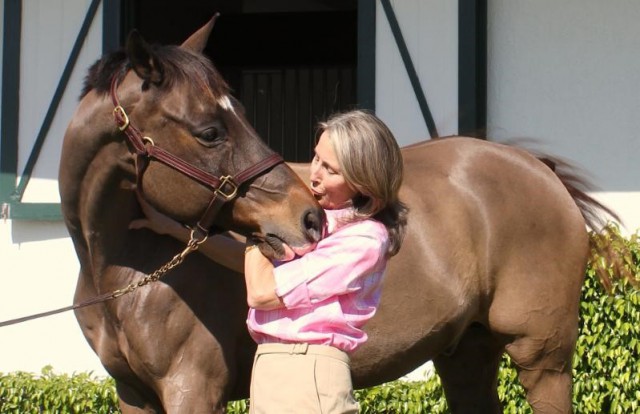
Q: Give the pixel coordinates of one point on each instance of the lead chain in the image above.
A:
(192, 246)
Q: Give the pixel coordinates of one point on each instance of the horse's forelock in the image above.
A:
(182, 65)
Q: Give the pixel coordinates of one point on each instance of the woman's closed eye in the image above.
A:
(316, 160)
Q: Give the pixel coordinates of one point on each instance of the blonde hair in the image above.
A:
(371, 163)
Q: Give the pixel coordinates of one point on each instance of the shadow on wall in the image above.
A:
(35, 231)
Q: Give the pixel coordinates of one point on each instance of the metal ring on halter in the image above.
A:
(196, 241)
(149, 140)
(120, 110)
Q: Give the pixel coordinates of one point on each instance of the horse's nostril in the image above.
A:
(313, 221)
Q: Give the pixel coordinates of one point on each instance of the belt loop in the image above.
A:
(300, 348)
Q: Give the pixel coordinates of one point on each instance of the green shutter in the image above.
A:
(12, 190)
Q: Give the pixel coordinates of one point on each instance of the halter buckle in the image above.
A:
(227, 179)
(119, 110)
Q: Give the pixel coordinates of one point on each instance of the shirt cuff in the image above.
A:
(294, 293)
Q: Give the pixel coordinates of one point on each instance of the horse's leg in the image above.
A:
(187, 388)
(191, 396)
(469, 374)
(542, 317)
(544, 370)
(194, 395)
(131, 402)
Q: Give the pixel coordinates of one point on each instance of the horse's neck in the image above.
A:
(95, 187)
(107, 209)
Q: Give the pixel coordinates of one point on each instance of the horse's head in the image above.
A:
(198, 159)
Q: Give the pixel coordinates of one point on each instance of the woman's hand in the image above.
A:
(259, 278)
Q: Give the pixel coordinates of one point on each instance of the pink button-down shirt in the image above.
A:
(330, 292)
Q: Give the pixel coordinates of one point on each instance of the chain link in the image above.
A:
(192, 246)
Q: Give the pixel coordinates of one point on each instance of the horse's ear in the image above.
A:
(198, 41)
(143, 61)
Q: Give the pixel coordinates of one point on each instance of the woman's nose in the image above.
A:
(314, 173)
(314, 182)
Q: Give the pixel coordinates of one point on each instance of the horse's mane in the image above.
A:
(178, 64)
(100, 73)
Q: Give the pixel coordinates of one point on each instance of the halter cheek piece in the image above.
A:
(224, 188)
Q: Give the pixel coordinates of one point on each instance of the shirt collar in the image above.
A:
(337, 218)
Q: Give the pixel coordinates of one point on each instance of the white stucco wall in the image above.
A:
(430, 31)
(568, 75)
(564, 74)
(39, 273)
(38, 266)
(49, 31)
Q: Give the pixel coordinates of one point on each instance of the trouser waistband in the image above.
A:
(303, 348)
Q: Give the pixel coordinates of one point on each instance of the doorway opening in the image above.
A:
(290, 62)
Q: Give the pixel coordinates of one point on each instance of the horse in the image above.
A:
(493, 260)
(160, 123)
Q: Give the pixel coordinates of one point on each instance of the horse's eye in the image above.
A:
(211, 135)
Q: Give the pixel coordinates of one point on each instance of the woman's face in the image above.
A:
(327, 182)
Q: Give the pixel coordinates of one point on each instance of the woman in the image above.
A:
(307, 314)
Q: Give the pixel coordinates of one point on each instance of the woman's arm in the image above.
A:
(226, 250)
(261, 284)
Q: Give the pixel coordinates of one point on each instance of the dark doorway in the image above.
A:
(290, 62)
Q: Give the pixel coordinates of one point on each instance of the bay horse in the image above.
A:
(493, 261)
(160, 123)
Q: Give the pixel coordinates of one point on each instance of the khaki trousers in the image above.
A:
(301, 379)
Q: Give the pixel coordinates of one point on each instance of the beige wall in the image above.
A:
(49, 31)
(568, 75)
(430, 30)
(38, 266)
(38, 273)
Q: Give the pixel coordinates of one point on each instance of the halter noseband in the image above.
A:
(224, 188)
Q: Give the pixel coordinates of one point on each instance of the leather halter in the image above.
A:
(224, 188)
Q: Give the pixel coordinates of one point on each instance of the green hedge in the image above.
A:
(26, 393)
(606, 366)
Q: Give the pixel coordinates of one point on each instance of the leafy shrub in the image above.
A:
(26, 393)
(606, 372)
(606, 368)
(415, 397)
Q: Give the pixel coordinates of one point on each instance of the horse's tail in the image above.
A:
(611, 257)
